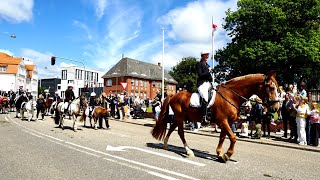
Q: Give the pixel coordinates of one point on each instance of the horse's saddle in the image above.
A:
(195, 99)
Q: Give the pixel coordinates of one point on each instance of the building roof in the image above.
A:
(30, 67)
(10, 62)
(6, 59)
(134, 68)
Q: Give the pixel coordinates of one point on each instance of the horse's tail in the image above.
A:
(57, 116)
(160, 128)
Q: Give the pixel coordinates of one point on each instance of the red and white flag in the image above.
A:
(214, 28)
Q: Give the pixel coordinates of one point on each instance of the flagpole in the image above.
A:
(162, 86)
(212, 50)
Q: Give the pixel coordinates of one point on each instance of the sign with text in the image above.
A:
(124, 85)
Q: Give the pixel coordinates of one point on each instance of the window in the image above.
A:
(132, 82)
(59, 87)
(62, 94)
(137, 82)
(141, 83)
(64, 75)
(70, 81)
(3, 68)
(145, 83)
(109, 82)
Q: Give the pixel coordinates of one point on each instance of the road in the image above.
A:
(40, 150)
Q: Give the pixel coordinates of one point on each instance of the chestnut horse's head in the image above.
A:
(268, 91)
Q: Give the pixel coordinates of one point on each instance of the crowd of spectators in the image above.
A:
(298, 115)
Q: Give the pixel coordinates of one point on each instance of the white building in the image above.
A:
(15, 74)
(79, 77)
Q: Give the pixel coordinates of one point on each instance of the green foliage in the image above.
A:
(272, 35)
(40, 90)
(185, 73)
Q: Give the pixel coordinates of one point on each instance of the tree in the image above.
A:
(272, 35)
(185, 73)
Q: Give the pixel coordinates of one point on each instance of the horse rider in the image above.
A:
(203, 81)
(92, 103)
(69, 98)
(56, 97)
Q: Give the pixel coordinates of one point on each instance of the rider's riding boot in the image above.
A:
(204, 109)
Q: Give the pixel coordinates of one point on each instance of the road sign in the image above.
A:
(124, 85)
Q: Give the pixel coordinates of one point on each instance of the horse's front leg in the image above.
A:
(74, 117)
(226, 130)
(21, 114)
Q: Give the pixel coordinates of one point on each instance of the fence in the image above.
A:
(314, 94)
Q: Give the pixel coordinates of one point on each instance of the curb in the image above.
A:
(292, 146)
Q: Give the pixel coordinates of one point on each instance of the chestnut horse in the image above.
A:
(100, 112)
(225, 110)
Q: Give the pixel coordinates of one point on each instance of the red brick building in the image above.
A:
(143, 79)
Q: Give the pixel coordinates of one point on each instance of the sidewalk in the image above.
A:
(275, 139)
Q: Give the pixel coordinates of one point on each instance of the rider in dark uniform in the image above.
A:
(92, 103)
(69, 97)
(204, 81)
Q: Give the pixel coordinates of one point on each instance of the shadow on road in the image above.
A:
(182, 152)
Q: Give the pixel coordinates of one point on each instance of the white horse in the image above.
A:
(28, 107)
(74, 111)
(52, 109)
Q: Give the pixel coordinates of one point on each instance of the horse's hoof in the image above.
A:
(221, 159)
(226, 157)
(190, 153)
(165, 147)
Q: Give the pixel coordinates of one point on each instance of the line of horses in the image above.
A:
(76, 111)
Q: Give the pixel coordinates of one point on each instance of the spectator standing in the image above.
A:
(315, 123)
(292, 118)
(256, 114)
(302, 111)
(285, 111)
(156, 106)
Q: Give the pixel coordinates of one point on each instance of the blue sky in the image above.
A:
(97, 32)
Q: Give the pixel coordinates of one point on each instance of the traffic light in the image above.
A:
(53, 60)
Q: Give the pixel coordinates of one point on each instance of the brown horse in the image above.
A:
(225, 111)
(100, 112)
(47, 104)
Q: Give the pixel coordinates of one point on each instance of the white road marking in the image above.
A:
(133, 162)
(140, 169)
(122, 148)
(110, 155)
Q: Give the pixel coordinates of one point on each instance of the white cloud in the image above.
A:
(43, 63)
(123, 26)
(189, 29)
(100, 6)
(7, 52)
(84, 27)
(16, 11)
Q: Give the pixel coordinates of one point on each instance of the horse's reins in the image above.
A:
(246, 99)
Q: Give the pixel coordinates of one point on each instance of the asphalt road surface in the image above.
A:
(41, 150)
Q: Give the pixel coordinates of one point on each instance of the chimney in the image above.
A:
(122, 55)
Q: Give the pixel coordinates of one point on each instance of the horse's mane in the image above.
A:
(236, 79)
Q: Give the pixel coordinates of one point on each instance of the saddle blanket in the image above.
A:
(195, 100)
